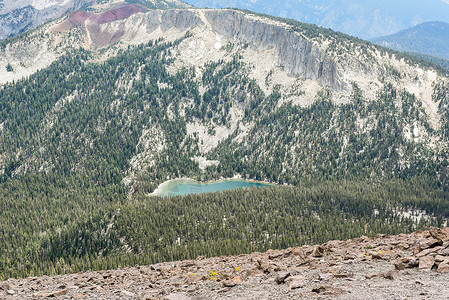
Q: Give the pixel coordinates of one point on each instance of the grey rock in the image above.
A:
(318, 251)
(297, 282)
(280, 278)
(439, 234)
(298, 55)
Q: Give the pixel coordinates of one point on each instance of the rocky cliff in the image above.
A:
(414, 266)
(320, 58)
(298, 55)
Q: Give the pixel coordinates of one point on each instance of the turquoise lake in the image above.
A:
(182, 187)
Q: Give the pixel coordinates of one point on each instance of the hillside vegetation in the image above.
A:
(85, 140)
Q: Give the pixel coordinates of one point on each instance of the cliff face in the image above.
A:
(279, 54)
(19, 16)
(298, 55)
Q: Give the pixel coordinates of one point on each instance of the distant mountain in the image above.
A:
(22, 15)
(444, 63)
(431, 38)
(364, 19)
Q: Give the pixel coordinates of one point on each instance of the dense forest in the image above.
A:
(74, 197)
(51, 228)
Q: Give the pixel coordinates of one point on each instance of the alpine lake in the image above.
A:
(182, 187)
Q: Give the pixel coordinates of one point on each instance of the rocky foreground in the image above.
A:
(407, 266)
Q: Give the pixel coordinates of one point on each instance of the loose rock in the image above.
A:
(297, 282)
(318, 251)
(426, 263)
(280, 278)
(443, 267)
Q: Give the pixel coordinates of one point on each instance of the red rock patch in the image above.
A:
(99, 38)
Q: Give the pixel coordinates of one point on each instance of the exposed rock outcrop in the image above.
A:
(17, 16)
(298, 55)
(352, 269)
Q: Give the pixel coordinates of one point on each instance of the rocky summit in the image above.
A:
(405, 266)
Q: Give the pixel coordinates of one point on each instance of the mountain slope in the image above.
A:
(19, 16)
(301, 71)
(392, 266)
(365, 20)
(430, 38)
(128, 98)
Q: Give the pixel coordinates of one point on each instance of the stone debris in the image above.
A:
(297, 282)
(280, 278)
(404, 266)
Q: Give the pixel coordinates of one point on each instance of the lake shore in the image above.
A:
(160, 190)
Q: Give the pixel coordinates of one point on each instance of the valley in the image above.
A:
(99, 108)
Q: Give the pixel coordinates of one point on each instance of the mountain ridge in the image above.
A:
(428, 38)
(367, 20)
(20, 16)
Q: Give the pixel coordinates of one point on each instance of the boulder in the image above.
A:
(428, 243)
(399, 265)
(444, 252)
(229, 283)
(317, 251)
(426, 263)
(297, 282)
(390, 275)
(194, 278)
(280, 278)
(265, 266)
(328, 290)
(51, 294)
(428, 251)
(443, 267)
(439, 234)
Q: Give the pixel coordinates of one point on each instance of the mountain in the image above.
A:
(431, 38)
(98, 108)
(444, 63)
(411, 266)
(20, 16)
(364, 19)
